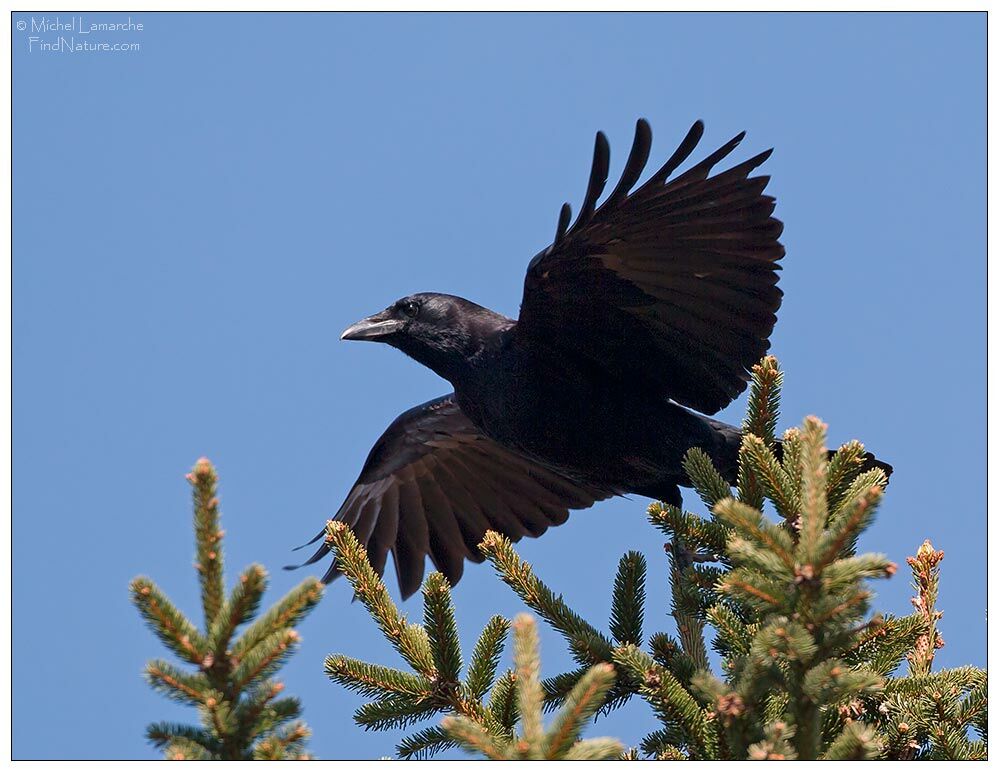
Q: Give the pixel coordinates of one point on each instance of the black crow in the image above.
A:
(649, 307)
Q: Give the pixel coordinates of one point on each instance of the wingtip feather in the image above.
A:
(311, 541)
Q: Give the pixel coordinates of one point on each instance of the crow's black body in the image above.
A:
(583, 420)
(657, 301)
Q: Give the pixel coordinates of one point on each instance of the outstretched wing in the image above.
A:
(433, 485)
(676, 281)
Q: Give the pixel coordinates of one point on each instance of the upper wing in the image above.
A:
(676, 281)
(433, 485)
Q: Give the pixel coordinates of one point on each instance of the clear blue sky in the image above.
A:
(196, 221)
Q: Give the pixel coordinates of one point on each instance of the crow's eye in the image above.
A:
(411, 308)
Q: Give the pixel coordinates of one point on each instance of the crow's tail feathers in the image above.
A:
(870, 462)
(726, 454)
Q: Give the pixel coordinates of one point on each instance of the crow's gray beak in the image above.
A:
(373, 328)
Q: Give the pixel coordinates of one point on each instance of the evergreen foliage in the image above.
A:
(433, 685)
(806, 671)
(561, 740)
(232, 685)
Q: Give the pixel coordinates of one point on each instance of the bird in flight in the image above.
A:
(652, 305)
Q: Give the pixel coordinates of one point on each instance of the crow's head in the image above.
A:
(443, 332)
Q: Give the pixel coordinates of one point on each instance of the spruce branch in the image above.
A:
(856, 515)
(208, 537)
(174, 629)
(668, 652)
(733, 634)
(597, 749)
(161, 734)
(763, 409)
(475, 738)
(857, 742)
(401, 699)
(833, 681)
(814, 510)
(685, 595)
(265, 659)
(260, 711)
(926, 580)
(485, 657)
(186, 688)
(756, 529)
(706, 537)
(589, 646)
(240, 715)
(628, 605)
(561, 740)
(424, 744)
(884, 643)
(411, 641)
(283, 615)
(284, 744)
(657, 745)
(776, 745)
(503, 702)
(527, 668)
(708, 483)
(371, 680)
(557, 688)
(843, 468)
(442, 630)
(240, 607)
(771, 476)
(396, 712)
(694, 540)
(761, 420)
(790, 446)
(668, 697)
(184, 749)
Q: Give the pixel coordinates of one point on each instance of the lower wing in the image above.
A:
(433, 485)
